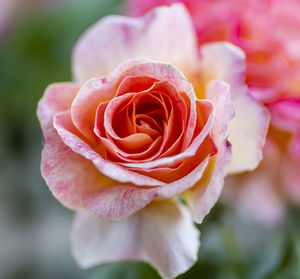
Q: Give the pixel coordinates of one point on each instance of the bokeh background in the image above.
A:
(36, 39)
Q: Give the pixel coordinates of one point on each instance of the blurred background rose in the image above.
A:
(35, 48)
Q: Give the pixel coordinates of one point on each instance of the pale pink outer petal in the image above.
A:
(169, 238)
(118, 202)
(162, 234)
(203, 196)
(65, 172)
(165, 34)
(95, 240)
(248, 128)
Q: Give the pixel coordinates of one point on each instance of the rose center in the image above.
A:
(145, 124)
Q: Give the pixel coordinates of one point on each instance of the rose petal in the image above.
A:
(249, 126)
(191, 151)
(118, 202)
(169, 238)
(178, 186)
(84, 107)
(62, 124)
(176, 78)
(115, 39)
(153, 151)
(58, 97)
(95, 240)
(90, 95)
(203, 196)
(172, 75)
(135, 85)
(66, 173)
(162, 234)
(178, 170)
(134, 143)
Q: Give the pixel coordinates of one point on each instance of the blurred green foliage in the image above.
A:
(37, 52)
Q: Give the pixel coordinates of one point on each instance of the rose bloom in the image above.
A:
(143, 127)
(269, 33)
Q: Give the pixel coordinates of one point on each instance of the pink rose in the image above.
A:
(269, 33)
(147, 119)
